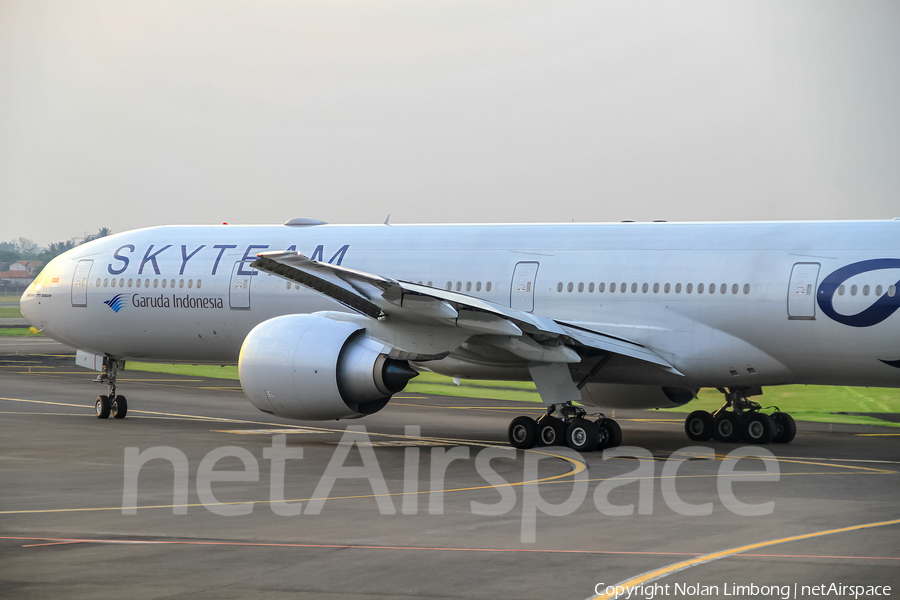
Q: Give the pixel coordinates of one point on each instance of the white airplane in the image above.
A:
(329, 321)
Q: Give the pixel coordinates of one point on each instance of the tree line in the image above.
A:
(25, 249)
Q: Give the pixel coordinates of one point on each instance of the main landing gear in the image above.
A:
(110, 404)
(743, 421)
(570, 428)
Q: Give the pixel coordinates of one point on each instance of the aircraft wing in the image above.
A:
(383, 298)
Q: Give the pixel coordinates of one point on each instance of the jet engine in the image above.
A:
(312, 367)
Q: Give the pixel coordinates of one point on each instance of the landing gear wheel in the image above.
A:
(102, 407)
(550, 431)
(727, 427)
(759, 428)
(699, 426)
(610, 434)
(119, 407)
(582, 435)
(522, 433)
(785, 428)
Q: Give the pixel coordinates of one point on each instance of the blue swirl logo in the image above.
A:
(883, 308)
(116, 302)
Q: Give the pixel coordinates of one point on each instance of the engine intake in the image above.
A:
(312, 367)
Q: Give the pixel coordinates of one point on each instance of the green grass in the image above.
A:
(814, 402)
(214, 371)
(10, 298)
(804, 403)
(10, 312)
(18, 332)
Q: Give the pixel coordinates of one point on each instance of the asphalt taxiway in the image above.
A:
(435, 512)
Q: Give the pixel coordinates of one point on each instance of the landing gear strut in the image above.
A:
(740, 419)
(110, 404)
(570, 428)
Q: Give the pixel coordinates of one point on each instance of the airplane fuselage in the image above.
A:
(726, 304)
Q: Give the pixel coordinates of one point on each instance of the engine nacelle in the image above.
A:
(312, 367)
(612, 395)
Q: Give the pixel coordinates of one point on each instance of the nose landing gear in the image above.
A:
(110, 404)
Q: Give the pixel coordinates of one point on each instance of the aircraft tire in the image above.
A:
(727, 427)
(582, 435)
(699, 426)
(610, 434)
(102, 407)
(550, 431)
(759, 428)
(785, 428)
(522, 433)
(119, 407)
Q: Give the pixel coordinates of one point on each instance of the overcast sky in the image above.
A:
(128, 114)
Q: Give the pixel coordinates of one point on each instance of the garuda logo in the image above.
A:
(116, 302)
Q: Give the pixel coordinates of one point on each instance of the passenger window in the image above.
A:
(199, 282)
(430, 284)
(644, 288)
(98, 282)
(559, 286)
(689, 288)
(865, 290)
(852, 290)
(655, 288)
(191, 283)
(624, 287)
(591, 287)
(180, 283)
(841, 290)
(287, 285)
(459, 286)
(892, 289)
(699, 288)
(105, 282)
(164, 282)
(879, 290)
(478, 286)
(668, 288)
(468, 286)
(724, 288)
(734, 289)
(634, 288)
(113, 283)
(612, 287)
(746, 288)
(580, 287)
(678, 288)
(601, 287)
(487, 286)
(156, 283)
(130, 281)
(712, 288)
(570, 287)
(449, 285)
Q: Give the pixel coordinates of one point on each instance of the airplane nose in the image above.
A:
(29, 303)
